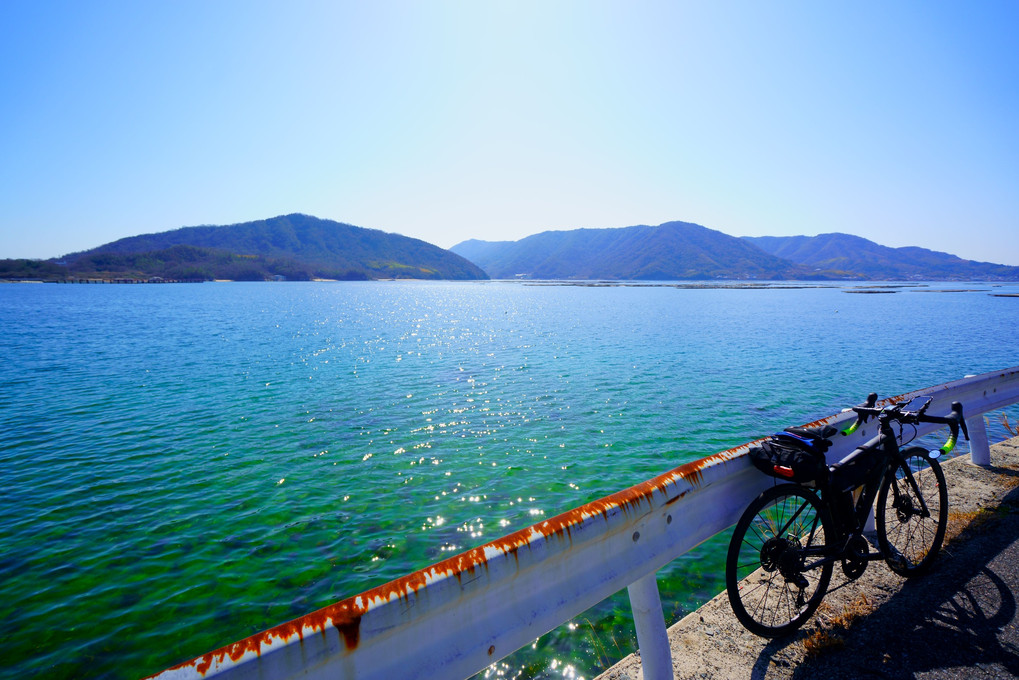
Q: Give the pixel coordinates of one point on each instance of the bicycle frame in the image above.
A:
(893, 459)
(848, 527)
(785, 546)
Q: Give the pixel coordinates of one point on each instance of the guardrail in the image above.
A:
(455, 617)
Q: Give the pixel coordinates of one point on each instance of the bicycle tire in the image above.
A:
(771, 586)
(909, 541)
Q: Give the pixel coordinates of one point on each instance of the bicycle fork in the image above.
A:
(902, 503)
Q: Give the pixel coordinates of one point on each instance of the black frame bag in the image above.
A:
(795, 457)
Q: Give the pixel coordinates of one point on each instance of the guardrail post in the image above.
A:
(649, 620)
(979, 449)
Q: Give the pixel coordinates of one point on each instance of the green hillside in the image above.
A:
(297, 247)
(680, 250)
(671, 251)
(859, 256)
(301, 247)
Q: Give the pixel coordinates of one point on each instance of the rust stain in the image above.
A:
(351, 631)
(345, 616)
(676, 498)
(203, 664)
(819, 423)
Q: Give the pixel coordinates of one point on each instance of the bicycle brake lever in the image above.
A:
(860, 417)
(957, 411)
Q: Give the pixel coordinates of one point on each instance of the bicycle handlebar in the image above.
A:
(899, 413)
(861, 418)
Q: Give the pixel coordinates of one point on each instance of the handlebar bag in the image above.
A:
(793, 458)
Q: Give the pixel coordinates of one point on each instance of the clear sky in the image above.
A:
(895, 121)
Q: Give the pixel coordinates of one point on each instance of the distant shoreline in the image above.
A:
(846, 286)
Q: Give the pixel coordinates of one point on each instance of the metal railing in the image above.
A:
(456, 617)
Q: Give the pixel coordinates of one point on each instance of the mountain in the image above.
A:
(301, 247)
(680, 250)
(674, 250)
(294, 246)
(856, 255)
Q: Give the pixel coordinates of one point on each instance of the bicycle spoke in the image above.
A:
(912, 518)
(765, 566)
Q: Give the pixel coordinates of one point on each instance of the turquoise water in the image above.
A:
(185, 465)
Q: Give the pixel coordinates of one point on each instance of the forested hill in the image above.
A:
(294, 246)
(680, 250)
(860, 257)
(301, 247)
(674, 250)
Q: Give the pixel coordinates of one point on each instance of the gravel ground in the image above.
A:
(960, 620)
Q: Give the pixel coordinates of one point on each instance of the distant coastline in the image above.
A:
(305, 248)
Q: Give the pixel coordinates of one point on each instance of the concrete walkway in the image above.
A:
(961, 620)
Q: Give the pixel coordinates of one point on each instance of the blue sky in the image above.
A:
(444, 121)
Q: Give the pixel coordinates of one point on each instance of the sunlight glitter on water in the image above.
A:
(287, 446)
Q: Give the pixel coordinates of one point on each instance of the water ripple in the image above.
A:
(183, 466)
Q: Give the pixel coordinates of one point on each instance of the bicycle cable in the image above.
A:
(901, 428)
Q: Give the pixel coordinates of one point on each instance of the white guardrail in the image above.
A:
(454, 618)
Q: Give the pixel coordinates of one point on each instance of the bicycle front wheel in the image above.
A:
(911, 527)
(776, 573)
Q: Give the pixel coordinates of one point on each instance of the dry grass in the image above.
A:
(1013, 430)
(820, 642)
(975, 520)
(832, 622)
(972, 520)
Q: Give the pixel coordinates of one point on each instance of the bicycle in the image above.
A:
(788, 540)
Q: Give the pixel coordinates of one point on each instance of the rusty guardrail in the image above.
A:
(454, 618)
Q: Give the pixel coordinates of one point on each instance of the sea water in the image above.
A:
(184, 465)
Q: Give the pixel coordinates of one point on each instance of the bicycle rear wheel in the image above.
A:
(910, 538)
(775, 572)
